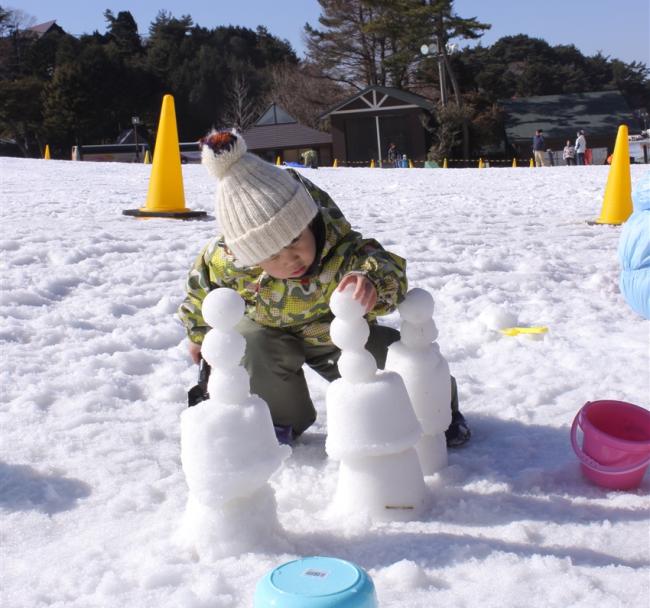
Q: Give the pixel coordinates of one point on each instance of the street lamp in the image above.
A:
(135, 121)
(434, 49)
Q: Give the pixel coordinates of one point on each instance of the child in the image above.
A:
(569, 153)
(285, 248)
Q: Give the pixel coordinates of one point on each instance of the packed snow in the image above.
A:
(95, 374)
(417, 359)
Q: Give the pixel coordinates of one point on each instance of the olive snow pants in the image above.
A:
(274, 360)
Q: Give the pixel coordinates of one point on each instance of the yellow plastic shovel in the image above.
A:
(515, 331)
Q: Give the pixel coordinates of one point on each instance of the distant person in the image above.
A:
(404, 163)
(392, 155)
(581, 147)
(549, 156)
(569, 154)
(539, 148)
(310, 159)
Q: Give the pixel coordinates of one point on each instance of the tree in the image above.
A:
(20, 112)
(344, 50)
(377, 42)
(447, 129)
(14, 41)
(303, 93)
(89, 99)
(123, 32)
(241, 109)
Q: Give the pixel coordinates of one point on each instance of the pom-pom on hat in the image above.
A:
(260, 207)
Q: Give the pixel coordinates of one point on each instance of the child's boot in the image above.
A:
(458, 432)
(284, 434)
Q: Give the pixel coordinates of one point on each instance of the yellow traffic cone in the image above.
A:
(336, 163)
(147, 158)
(444, 164)
(617, 203)
(532, 164)
(278, 162)
(46, 156)
(514, 163)
(372, 163)
(480, 163)
(410, 164)
(166, 197)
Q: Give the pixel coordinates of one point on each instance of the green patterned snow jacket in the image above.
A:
(299, 305)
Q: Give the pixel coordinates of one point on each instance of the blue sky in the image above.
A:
(618, 28)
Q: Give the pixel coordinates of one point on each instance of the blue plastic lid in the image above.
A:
(316, 582)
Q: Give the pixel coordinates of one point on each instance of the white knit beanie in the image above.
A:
(260, 207)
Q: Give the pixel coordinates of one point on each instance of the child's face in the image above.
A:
(294, 260)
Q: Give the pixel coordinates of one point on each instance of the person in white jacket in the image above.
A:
(581, 147)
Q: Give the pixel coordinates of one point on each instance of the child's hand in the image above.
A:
(364, 290)
(195, 351)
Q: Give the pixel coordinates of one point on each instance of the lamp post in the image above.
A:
(434, 49)
(135, 121)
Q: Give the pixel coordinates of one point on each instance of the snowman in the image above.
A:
(416, 357)
(229, 448)
(371, 426)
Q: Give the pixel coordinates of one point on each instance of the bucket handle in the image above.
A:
(593, 464)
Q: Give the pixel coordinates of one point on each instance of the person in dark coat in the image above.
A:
(539, 149)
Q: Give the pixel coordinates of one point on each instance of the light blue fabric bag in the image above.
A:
(634, 251)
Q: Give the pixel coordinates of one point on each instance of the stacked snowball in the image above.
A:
(371, 427)
(416, 357)
(228, 446)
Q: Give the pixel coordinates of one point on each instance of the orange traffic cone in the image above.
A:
(617, 203)
(166, 197)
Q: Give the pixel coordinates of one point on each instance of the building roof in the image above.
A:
(275, 115)
(376, 99)
(276, 128)
(561, 116)
(43, 28)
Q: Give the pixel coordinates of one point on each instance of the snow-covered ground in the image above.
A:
(94, 377)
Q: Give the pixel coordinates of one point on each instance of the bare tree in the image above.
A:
(303, 93)
(242, 109)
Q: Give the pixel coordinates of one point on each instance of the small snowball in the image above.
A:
(223, 308)
(357, 366)
(230, 385)
(420, 335)
(223, 348)
(496, 318)
(349, 334)
(343, 306)
(404, 575)
(417, 306)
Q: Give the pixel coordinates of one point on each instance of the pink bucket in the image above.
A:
(615, 449)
